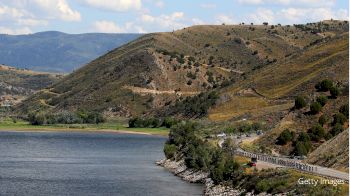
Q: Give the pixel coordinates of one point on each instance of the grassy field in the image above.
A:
(110, 126)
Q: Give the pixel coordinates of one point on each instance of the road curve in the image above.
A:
(295, 164)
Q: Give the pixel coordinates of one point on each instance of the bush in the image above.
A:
(303, 144)
(324, 85)
(197, 105)
(300, 149)
(344, 109)
(339, 118)
(284, 137)
(315, 107)
(317, 133)
(299, 102)
(138, 122)
(169, 122)
(170, 151)
(322, 100)
(334, 92)
(37, 118)
(323, 120)
(338, 128)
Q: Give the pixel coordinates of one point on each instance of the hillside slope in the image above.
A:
(55, 51)
(157, 69)
(17, 84)
(333, 153)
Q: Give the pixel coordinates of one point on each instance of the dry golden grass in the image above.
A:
(237, 106)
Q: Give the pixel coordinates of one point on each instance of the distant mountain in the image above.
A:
(56, 51)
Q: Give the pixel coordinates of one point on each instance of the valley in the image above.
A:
(207, 86)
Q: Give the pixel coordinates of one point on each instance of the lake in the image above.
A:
(58, 163)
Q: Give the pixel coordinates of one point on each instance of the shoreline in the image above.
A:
(76, 130)
(179, 169)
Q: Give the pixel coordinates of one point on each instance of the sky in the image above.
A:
(145, 16)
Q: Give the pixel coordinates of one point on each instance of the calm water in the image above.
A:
(85, 164)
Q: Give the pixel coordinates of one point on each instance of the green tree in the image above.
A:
(170, 151)
(299, 102)
(315, 107)
(339, 118)
(338, 128)
(334, 92)
(324, 85)
(344, 109)
(317, 133)
(322, 100)
(323, 119)
(284, 137)
(300, 149)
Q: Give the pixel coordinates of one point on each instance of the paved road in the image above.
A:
(295, 164)
(274, 161)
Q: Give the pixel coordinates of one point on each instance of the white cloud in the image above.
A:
(208, 5)
(296, 15)
(15, 31)
(197, 21)
(172, 21)
(300, 15)
(159, 3)
(32, 22)
(105, 26)
(224, 19)
(115, 5)
(40, 10)
(304, 3)
(262, 15)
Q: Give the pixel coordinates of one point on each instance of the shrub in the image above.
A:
(284, 137)
(338, 128)
(169, 122)
(169, 151)
(315, 107)
(37, 118)
(323, 120)
(322, 100)
(339, 118)
(344, 109)
(317, 133)
(299, 102)
(300, 149)
(334, 92)
(324, 85)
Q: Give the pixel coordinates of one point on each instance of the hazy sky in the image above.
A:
(143, 16)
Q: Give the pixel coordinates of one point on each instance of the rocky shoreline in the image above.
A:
(179, 169)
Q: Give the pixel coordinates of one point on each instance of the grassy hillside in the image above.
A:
(17, 84)
(157, 69)
(55, 51)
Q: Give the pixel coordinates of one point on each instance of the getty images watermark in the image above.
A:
(315, 182)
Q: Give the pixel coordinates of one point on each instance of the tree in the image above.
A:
(324, 85)
(322, 100)
(299, 102)
(300, 149)
(344, 109)
(339, 118)
(169, 151)
(284, 137)
(323, 119)
(334, 92)
(338, 128)
(315, 107)
(317, 133)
